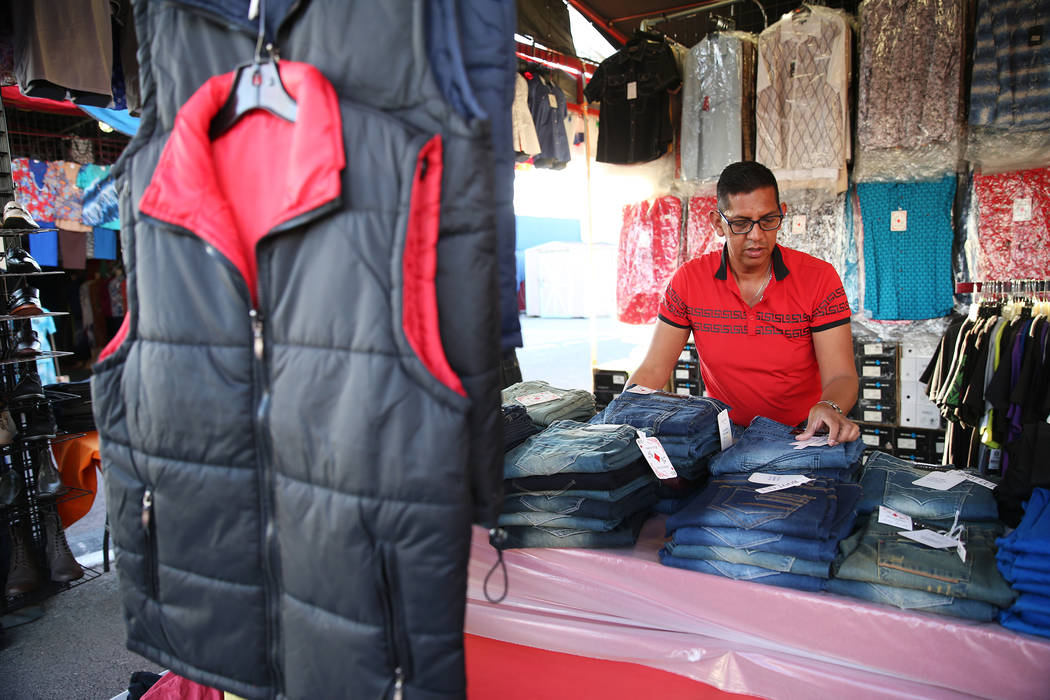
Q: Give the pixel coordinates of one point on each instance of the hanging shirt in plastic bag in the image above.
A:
(801, 111)
(717, 119)
(1013, 224)
(547, 104)
(648, 257)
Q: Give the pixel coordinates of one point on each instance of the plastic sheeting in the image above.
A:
(816, 224)
(802, 110)
(647, 257)
(1013, 220)
(717, 104)
(909, 107)
(623, 605)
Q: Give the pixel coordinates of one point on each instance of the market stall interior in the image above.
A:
(416, 492)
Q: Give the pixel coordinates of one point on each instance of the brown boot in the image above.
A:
(24, 575)
(60, 560)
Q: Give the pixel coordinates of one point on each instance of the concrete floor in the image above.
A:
(74, 650)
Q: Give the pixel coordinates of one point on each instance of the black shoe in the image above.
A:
(28, 387)
(40, 423)
(26, 343)
(16, 216)
(18, 261)
(24, 301)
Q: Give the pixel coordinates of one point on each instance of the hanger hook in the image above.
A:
(258, 8)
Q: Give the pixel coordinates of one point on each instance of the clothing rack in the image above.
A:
(1005, 287)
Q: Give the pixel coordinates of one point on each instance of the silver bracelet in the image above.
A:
(834, 405)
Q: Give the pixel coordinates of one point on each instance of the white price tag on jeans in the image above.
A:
(657, 458)
(760, 478)
(930, 538)
(539, 397)
(815, 441)
(961, 550)
(979, 481)
(725, 429)
(888, 516)
(790, 482)
(940, 481)
(639, 389)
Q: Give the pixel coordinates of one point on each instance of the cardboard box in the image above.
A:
(877, 368)
(874, 412)
(878, 437)
(865, 348)
(878, 390)
(687, 388)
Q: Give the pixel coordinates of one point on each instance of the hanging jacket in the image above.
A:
(294, 424)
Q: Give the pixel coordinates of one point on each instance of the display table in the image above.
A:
(623, 605)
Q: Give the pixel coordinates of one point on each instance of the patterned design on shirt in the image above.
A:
(908, 274)
(909, 77)
(801, 114)
(1009, 249)
(31, 191)
(1010, 88)
(647, 257)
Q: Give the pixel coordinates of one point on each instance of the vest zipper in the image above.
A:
(399, 653)
(269, 533)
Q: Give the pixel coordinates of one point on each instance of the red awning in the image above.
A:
(13, 97)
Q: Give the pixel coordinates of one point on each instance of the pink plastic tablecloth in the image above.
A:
(623, 605)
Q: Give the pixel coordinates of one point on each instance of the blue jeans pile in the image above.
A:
(888, 481)
(882, 565)
(784, 538)
(1024, 561)
(687, 427)
(576, 485)
(571, 404)
(766, 446)
(517, 426)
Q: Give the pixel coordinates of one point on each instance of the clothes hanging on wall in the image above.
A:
(802, 110)
(633, 86)
(718, 118)
(549, 112)
(1013, 224)
(526, 141)
(647, 257)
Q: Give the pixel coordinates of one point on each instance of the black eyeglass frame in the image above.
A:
(752, 222)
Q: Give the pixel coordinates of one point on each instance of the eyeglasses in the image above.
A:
(769, 222)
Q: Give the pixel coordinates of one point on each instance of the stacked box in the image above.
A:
(877, 368)
(878, 437)
(608, 384)
(685, 379)
(917, 411)
(920, 445)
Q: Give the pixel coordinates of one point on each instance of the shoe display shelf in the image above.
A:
(41, 563)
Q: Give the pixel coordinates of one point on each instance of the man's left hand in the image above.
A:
(839, 427)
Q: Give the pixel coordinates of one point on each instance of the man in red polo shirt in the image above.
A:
(771, 324)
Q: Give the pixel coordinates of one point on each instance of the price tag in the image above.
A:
(632, 90)
(1023, 209)
(899, 220)
(798, 224)
(553, 100)
(961, 550)
(769, 479)
(786, 484)
(657, 458)
(888, 516)
(639, 389)
(931, 538)
(940, 481)
(979, 481)
(873, 348)
(815, 441)
(873, 394)
(725, 429)
(539, 397)
(872, 371)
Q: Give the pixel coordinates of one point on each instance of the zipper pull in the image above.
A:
(399, 684)
(258, 344)
(147, 510)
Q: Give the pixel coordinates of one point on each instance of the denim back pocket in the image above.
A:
(902, 562)
(921, 502)
(745, 508)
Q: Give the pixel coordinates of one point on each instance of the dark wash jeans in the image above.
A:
(743, 572)
(784, 563)
(766, 446)
(570, 447)
(880, 554)
(624, 535)
(732, 501)
(887, 481)
(824, 550)
(567, 504)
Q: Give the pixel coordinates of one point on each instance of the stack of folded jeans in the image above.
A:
(576, 485)
(566, 404)
(785, 538)
(687, 426)
(882, 565)
(517, 426)
(1024, 561)
(767, 446)
(889, 481)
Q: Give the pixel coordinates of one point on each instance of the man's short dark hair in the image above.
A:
(743, 177)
